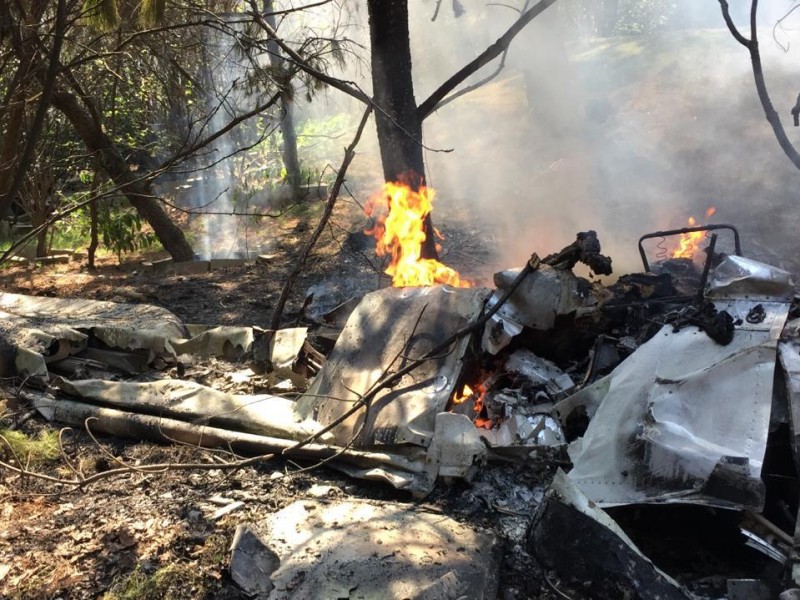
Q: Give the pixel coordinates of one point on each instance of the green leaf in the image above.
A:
(103, 14)
(151, 12)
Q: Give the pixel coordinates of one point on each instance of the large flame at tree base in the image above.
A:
(400, 212)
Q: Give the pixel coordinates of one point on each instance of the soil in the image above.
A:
(141, 535)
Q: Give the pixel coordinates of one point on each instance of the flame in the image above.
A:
(400, 235)
(480, 392)
(690, 242)
(465, 393)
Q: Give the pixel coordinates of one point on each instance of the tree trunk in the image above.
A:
(10, 186)
(94, 219)
(291, 162)
(396, 118)
(137, 191)
(290, 159)
(609, 18)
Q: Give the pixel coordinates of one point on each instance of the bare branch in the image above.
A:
(488, 55)
(349, 153)
(349, 88)
(761, 87)
(780, 22)
(726, 14)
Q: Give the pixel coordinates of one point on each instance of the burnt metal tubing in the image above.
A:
(660, 234)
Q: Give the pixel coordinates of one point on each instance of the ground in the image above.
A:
(142, 536)
(638, 151)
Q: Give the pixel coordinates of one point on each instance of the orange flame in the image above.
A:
(400, 234)
(467, 393)
(690, 242)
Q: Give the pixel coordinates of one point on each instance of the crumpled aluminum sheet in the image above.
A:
(543, 295)
(789, 355)
(44, 313)
(43, 330)
(388, 329)
(261, 414)
(221, 342)
(684, 419)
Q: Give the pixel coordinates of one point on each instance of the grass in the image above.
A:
(175, 581)
(167, 583)
(29, 450)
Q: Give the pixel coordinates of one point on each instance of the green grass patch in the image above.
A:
(29, 450)
(170, 582)
(176, 581)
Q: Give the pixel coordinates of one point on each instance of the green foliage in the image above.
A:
(72, 231)
(103, 14)
(31, 451)
(171, 581)
(122, 230)
(151, 12)
(644, 16)
(177, 580)
(621, 17)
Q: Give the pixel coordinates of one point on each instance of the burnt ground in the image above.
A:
(142, 536)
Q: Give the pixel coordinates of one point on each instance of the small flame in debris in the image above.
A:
(465, 393)
(400, 212)
(478, 395)
(690, 242)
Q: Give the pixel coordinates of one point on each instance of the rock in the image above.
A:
(359, 550)
(252, 562)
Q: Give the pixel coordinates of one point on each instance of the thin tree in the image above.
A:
(773, 118)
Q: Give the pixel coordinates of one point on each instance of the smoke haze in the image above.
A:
(625, 135)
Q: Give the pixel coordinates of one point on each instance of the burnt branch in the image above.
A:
(487, 56)
(349, 154)
(758, 75)
(726, 14)
(585, 249)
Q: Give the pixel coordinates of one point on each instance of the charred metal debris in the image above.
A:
(669, 400)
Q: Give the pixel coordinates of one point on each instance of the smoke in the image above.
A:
(214, 197)
(625, 135)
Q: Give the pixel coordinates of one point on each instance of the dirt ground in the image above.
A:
(142, 536)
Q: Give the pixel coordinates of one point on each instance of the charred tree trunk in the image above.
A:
(397, 120)
(137, 191)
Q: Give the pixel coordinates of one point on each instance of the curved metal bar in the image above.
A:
(736, 241)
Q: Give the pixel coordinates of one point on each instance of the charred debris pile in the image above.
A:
(670, 399)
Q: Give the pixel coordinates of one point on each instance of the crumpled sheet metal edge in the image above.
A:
(405, 413)
(754, 347)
